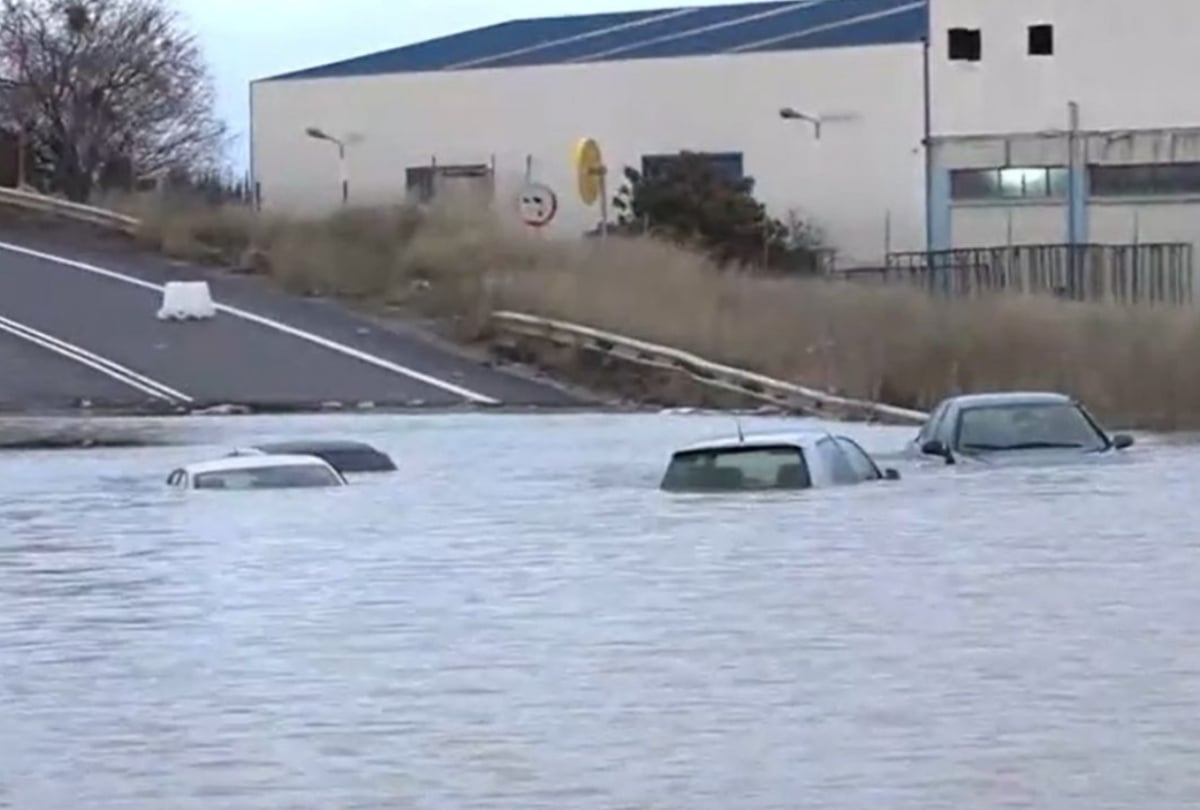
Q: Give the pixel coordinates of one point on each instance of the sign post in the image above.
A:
(592, 178)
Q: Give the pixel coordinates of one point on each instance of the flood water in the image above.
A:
(519, 619)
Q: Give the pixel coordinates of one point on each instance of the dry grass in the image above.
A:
(888, 343)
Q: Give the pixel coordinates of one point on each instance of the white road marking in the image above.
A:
(93, 361)
(269, 323)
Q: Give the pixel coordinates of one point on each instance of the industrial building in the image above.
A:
(921, 125)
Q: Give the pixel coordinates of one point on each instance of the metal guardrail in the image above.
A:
(714, 375)
(28, 201)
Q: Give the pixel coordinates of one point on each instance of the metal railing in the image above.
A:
(715, 375)
(1155, 273)
(28, 201)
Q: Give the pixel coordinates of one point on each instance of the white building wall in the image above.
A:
(1128, 66)
(863, 179)
(982, 225)
(1128, 63)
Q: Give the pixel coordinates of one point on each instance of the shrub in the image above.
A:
(688, 200)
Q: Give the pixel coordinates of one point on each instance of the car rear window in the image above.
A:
(283, 477)
(775, 467)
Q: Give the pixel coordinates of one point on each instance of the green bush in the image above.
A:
(689, 201)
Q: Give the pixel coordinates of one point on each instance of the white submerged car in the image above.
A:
(257, 472)
(777, 461)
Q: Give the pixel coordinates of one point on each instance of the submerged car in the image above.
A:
(258, 472)
(781, 461)
(345, 456)
(1012, 426)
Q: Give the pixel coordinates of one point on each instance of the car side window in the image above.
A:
(944, 430)
(840, 469)
(863, 465)
(929, 429)
(175, 478)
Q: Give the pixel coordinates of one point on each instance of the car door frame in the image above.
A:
(933, 427)
(831, 462)
(877, 473)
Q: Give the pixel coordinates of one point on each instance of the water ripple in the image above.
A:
(518, 619)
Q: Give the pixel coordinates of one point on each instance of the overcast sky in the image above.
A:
(249, 39)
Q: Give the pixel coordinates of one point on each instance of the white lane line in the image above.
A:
(103, 365)
(269, 323)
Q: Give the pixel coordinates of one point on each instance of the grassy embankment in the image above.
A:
(1132, 365)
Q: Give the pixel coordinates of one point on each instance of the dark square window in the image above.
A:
(729, 164)
(974, 184)
(966, 44)
(419, 183)
(1041, 40)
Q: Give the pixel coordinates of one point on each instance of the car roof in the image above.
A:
(794, 438)
(985, 400)
(315, 446)
(233, 463)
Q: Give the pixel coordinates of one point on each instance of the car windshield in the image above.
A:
(737, 468)
(1027, 427)
(289, 476)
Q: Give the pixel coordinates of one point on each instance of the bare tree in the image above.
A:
(104, 87)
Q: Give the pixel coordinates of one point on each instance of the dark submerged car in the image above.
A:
(1017, 425)
(343, 455)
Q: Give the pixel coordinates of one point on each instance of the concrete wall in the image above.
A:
(867, 165)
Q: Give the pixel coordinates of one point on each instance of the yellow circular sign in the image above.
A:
(589, 168)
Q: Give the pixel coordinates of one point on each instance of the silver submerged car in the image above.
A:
(1013, 426)
(777, 461)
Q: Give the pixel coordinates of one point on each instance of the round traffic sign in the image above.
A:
(537, 205)
(589, 170)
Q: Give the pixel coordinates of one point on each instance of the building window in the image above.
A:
(419, 183)
(729, 164)
(1041, 40)
(1145, 180)
(966, 44)
(423, 182)
(1009, 183)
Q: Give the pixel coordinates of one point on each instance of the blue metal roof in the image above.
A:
(744, 28)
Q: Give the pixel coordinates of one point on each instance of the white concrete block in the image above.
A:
(186, 300)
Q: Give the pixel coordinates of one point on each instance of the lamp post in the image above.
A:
(792, 114)
(320, 135)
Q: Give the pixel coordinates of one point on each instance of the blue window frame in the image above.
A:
(1009, 183)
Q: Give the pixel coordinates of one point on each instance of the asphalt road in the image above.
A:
(33, 378)
(228, 359)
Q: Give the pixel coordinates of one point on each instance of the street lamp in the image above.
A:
(792, 114)
(321, 135)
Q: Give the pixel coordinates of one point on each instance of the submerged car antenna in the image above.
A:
(741, 436)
